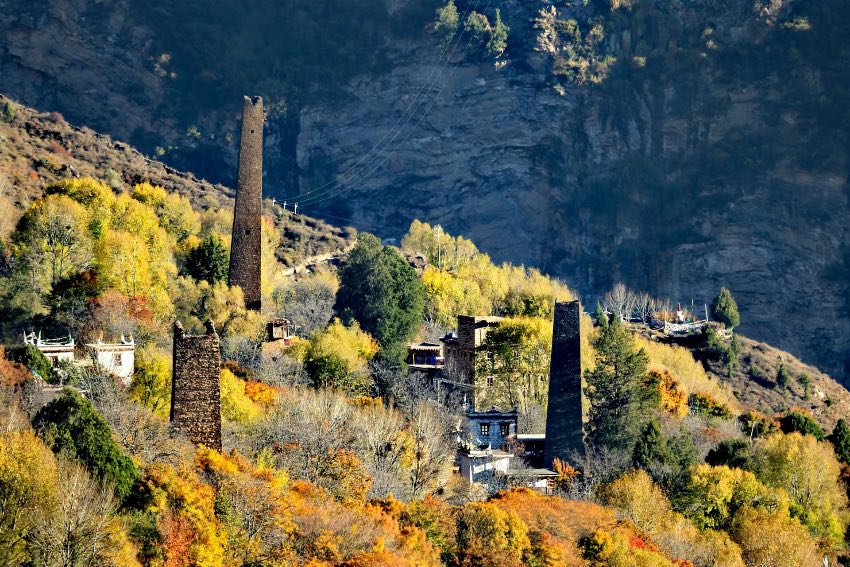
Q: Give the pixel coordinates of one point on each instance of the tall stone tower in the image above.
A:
(246, 246)
(564, 415)
(196, 386)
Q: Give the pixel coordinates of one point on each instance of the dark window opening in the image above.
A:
(504, 429)
(485, 429)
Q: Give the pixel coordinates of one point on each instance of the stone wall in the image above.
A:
(564, 417)
(246, 248)
(195, 386)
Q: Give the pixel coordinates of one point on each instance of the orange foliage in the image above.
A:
(260, 393)
(178, 537)
(11, 373)
(672, 397)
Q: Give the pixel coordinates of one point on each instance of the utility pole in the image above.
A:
(284, 205)
(439, 248)
(295, 208)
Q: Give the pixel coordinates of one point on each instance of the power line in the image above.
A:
(442, 59)
(331, 193)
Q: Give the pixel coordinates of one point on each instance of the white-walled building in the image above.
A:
(119, 359)
(55, 350)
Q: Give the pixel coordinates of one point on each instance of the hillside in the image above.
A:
(708, 147)
(38, 148)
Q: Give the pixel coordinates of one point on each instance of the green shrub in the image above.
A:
(782, 376)
(734, 453)
(800, 423)
(34, 359)
(8, 111)
(707, 405)
(71, 425)
(210, 261)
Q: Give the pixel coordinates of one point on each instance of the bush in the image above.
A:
(707, 405)
(71, 425)
(447, 23)
(32, 358)
(782, 376)
(733, 453)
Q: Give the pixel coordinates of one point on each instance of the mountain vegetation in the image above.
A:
(710, 450)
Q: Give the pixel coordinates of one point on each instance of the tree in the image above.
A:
(209, 261)
(28, 490)
(70, 424)
(498, 36)
(489, 536)
(652, 447)
(840, 439)
(783, 378)
(725, 310)
(382, 292)
(447, 23)
(733, 453)
(53, 241)
(801, 423)
(151, 383)
(338, 357)
(616, 389)
(806, 382)
(308, 302)
(806, 469)
(772, 538)
(517, 361)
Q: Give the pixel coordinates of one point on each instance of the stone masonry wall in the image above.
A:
(246, 248)
(564, 415)
(195, 386)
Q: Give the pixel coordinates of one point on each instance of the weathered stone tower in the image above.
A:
(195, 386)
(564, 415)
(246, 246)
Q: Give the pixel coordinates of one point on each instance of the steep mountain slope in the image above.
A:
(713, 152)
(38, 148)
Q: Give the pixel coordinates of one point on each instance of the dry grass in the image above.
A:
(686, 370)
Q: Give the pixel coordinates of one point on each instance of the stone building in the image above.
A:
(564, 435)
(195, 386)
(246, 246)
(462, 351)
(492, 428)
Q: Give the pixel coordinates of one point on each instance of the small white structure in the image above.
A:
(55, 350)
(482, 466)
(119, 359)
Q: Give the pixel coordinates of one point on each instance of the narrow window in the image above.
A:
(485, 430)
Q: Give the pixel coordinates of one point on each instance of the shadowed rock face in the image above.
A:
(677, 177)
(246, 248)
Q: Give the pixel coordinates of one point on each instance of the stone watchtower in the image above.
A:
(246, 246)
(195, 386)
(564, 415)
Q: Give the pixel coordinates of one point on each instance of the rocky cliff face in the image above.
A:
(711, 154)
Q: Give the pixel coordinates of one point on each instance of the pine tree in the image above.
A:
(616, 389)
(498, 41)
(652, 447)
(725, 310)
(209, 261)
(782, 376)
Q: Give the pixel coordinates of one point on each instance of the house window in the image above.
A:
(116, 359)
(485, 430)
(489, 381)
(504, 429)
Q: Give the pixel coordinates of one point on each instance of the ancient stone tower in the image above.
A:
(195, 386)
(564, 416)
(246, 247)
